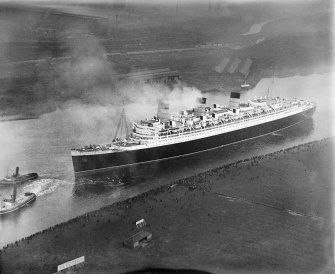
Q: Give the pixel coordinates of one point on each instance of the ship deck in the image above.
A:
(20, 201)
(187, 134)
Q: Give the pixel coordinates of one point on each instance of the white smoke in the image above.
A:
(95, 121)
(143, 99)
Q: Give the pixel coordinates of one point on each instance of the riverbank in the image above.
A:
(267, 214)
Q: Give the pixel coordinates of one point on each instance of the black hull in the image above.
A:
(32, 198)
(84, 163)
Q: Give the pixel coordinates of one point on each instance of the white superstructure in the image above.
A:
(201, 122)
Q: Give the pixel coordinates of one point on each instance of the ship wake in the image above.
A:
(45, 186)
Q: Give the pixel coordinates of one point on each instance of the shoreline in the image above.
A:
(183, 198)
(11, 118)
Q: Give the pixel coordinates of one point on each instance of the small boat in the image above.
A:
(15, 203)
(16, 178)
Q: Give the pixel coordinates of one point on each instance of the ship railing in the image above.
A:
(208, 129)
(236, 122)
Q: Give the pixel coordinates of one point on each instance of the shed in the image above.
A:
(220, 67)
(233, 67)
(157, 75)
(245, 68)
(135, 240)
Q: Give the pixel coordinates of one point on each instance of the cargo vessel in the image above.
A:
(16, 178)
(16, 202)
(191, 131)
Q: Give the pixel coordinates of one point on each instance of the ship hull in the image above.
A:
(19, 180)
(85, 163)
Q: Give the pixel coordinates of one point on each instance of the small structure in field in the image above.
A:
(138, 239)
(71, 265)
(141, 223)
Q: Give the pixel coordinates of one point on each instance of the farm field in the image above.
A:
(267, 214)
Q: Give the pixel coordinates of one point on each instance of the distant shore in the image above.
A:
(7, 118)
(265, 214)
(21, 113)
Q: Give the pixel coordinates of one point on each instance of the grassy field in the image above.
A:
(268, 214)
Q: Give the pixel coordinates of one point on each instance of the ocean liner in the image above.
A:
(191, 131)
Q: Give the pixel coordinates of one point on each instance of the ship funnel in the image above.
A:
(17, 172)
(234, 101)
(200, 106)
(163, 113)
(14, 192)
(201, 101)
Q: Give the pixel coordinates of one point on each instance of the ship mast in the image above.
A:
(270, 88)
(122, 126)
(14, 193)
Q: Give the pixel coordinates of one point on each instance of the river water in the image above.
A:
(257, 27)
(43, 146)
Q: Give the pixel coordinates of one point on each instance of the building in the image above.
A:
(221, 67)
(234, 65)
(245, 68)
(164, 75)
(138, 238)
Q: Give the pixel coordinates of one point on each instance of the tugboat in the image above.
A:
(17, 178)
(15, 203)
